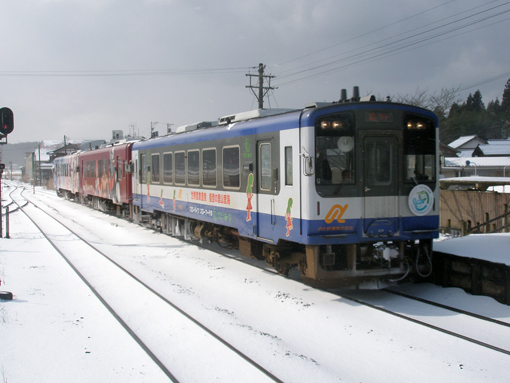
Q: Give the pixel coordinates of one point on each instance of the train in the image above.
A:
(344, 192)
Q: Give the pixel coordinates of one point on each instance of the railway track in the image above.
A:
(360, 317)
(484, 331)
(379, 300)
(190, 342)
(499, 344)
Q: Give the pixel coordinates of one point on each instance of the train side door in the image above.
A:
(380, 185)
(265, 190)
(142, 180)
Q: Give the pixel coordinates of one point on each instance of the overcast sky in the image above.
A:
(84, 68)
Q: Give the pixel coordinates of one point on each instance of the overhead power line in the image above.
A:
(365, 34)
(482, 82)
(377, 52)
(120, 72)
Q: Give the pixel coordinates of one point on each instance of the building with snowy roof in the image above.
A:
(467, 142)
(479, 166)
(499, 148)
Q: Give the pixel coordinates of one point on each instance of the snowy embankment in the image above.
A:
(55, 330)
(488, 247)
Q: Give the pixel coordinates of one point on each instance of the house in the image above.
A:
(63, 151)
(476, 166)
(467, 144)
(448, 151)
(494, 148)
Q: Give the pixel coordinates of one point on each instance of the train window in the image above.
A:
(334, 152)
(419, 149)
(100, 168)
(265, 166)
(144, 169)
(209, 167)
(194, 167)
(180, 168)
(121, 168)
(379, 163)
(155, 168)
(288, 166)
(168, 175)
(231, 171)
(93, 169)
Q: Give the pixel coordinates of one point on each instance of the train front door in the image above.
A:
(380, 185)
(265, 190)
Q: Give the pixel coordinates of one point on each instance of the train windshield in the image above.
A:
(419, 149)
(334, 151)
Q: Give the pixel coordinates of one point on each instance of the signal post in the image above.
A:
(6, 127)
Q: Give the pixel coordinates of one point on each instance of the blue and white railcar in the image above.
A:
(346, 191)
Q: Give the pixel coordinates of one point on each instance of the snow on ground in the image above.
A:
(55, 330)
(488, 247)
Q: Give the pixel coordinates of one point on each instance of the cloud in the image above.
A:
(86, 68)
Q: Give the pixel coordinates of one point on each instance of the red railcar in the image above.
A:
(105, 177)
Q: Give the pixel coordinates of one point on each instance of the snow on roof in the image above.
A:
(502, 141)
(495, 149)
(476, 179)
(479, 161)
(461, 141)
(465, 153)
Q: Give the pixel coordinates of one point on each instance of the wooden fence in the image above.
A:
(470, 211)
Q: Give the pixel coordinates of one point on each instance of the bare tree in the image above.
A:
(420, 98)
(440, 103)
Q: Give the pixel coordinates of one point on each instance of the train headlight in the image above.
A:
(337, 125)
(326, 124)
(416, 125)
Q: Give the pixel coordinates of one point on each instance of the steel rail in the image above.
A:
(425, 324)
(101, 299)
(174, 306)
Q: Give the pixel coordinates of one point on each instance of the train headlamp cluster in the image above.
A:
(335, 124)
(416, 125)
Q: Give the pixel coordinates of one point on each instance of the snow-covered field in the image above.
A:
(56, 330)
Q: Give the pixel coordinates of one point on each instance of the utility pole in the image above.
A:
(262, 90)
(153, 125)
(40, 171)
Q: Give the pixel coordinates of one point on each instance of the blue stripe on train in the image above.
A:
(308, 232)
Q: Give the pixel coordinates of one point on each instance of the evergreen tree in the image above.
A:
(474, 102)
(494, 108)
(469, 104)
(505, 102)
(478, 105)
(455, 109)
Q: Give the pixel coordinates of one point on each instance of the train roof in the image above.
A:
(267, 120)
(243, 125)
